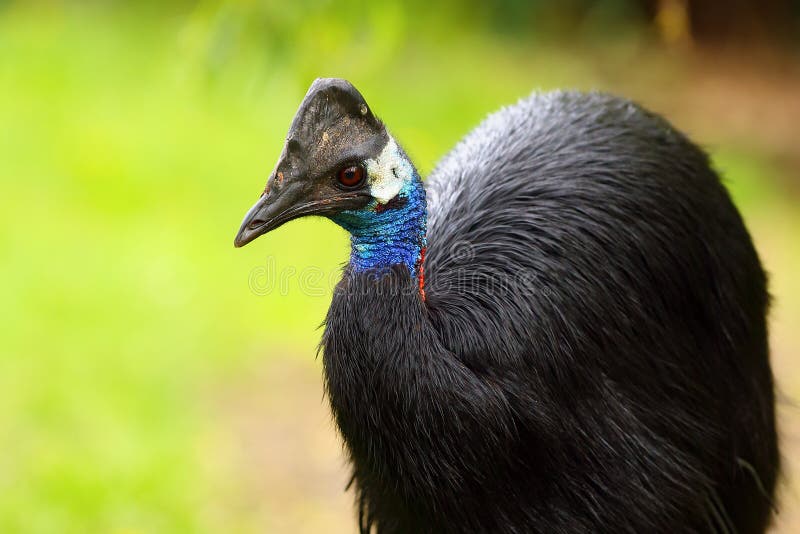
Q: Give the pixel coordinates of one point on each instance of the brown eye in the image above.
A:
(351, 176)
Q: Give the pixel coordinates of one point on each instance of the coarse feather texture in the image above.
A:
(591, 354)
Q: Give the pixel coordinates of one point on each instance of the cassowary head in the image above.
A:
(338, 161)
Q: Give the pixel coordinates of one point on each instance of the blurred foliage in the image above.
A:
(135, 136)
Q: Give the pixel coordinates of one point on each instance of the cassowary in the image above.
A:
(561, 331)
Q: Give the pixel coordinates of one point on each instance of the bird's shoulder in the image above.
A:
(545, 137)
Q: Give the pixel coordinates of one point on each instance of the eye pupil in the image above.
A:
(351, 176)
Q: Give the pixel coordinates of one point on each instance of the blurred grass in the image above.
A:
(131, 146)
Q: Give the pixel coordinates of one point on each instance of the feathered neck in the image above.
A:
(390, 233)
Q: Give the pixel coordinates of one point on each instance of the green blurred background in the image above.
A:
(153, 378)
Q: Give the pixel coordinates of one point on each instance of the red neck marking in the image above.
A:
(421, 272)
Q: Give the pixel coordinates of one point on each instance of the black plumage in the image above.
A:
(590, 351)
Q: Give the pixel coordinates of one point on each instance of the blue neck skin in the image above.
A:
(390, 234)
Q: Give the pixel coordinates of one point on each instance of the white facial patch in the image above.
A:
(388, 173)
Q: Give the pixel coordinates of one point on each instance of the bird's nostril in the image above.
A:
(255, 223)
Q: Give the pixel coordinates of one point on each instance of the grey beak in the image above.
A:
(271, 211)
